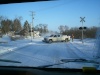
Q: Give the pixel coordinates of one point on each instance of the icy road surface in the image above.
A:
(37, 53)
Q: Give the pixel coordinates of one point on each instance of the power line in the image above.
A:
(59, 5)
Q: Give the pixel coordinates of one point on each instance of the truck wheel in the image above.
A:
(50, 41)
(66, 39)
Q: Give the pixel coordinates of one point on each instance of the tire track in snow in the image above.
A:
(78, 52)
(70, 51)
(37, 51)
(35, 58)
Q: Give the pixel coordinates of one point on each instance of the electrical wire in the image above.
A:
(56, 6)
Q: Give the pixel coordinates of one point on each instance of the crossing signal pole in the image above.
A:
(82, 20)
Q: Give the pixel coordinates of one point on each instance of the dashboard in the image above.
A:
(14, 70)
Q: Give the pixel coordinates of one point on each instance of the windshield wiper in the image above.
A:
(71, 60)
(44, 66)
(12, 61)
(79, 60)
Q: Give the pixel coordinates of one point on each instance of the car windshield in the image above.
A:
(23, 27)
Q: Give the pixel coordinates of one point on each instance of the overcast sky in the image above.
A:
(55, 13)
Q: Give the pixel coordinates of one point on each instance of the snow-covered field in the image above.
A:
(37, 53)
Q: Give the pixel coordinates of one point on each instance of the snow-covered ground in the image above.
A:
(37, 53)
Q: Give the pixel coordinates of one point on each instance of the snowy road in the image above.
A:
(38, 54)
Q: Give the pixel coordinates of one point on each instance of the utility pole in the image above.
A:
(32, 26)
(82, 20)
(31, 31)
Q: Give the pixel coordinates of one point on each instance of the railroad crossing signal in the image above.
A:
(82, 19)
(82, 28)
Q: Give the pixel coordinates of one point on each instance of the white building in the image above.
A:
(36, 34)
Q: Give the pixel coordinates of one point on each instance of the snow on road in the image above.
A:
(37, 53)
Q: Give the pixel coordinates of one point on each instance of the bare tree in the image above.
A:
(45, 28)
(66, 28)
(42, 28)
(16, 25)
(63, 28)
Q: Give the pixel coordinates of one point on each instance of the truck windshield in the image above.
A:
(51, 35)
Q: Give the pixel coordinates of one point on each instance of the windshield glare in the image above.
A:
(23, 27)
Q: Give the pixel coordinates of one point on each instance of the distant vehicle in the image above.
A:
(56, 38)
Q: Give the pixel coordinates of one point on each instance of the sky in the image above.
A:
(55, 13)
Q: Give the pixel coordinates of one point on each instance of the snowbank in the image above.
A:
(14, 45)
(5, 38)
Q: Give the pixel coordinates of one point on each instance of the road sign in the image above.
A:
(82, 19)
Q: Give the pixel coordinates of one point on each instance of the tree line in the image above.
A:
(7, 25)
(89, 32)
(15, 25)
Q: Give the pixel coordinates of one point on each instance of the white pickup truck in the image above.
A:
(55, 38)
